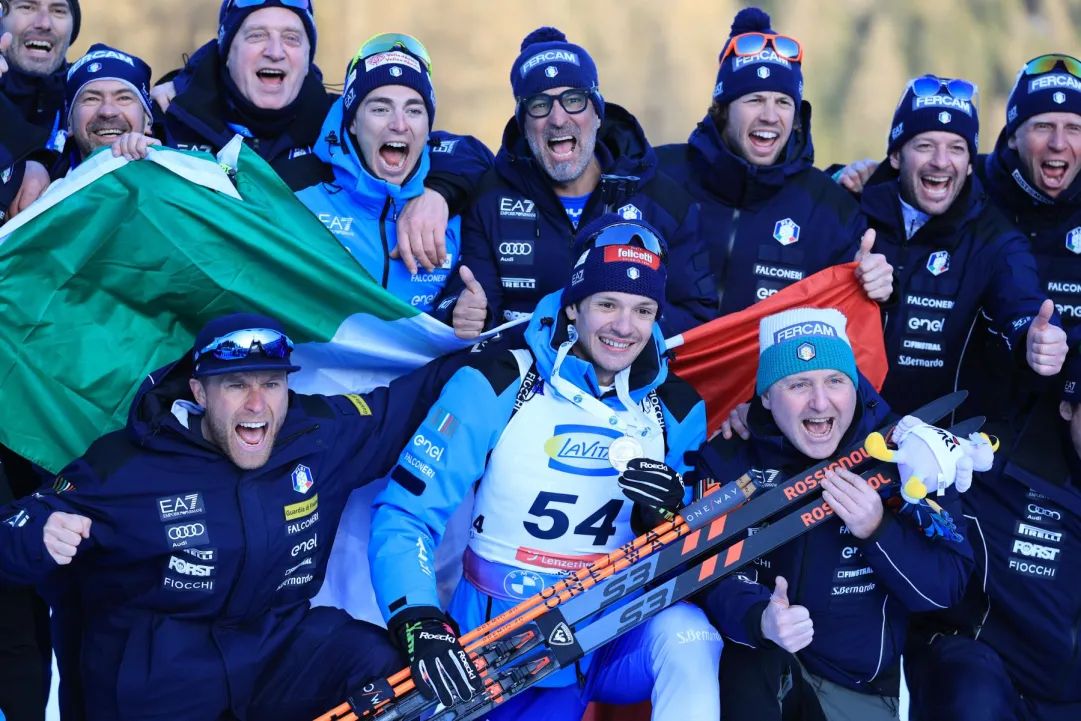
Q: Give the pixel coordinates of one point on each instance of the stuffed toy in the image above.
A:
(931, 458)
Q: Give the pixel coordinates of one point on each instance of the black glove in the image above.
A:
(439, 665)
(656, 489)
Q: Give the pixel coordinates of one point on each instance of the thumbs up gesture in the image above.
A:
(1046, 346)
(788, 626)
(874, 273)
(471, 311)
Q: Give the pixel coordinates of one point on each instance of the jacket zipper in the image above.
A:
(383, 237)
(727, 258)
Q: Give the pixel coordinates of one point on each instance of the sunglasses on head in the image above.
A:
(241, 343)
(389, 42)
(628, 234)
(749, 44)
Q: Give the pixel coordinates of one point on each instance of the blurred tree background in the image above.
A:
(657, 58)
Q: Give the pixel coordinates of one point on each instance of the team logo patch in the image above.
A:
(944, 117)
(302, 479)
(805, 352)
(444, 422)
(395, 71)
(551, 71)
(1073, 240)
(630, 212)
(5, 175)
(522, 584)
(938, 263)
(763, 73)
(786, 232)
(94, 67)
(1059, 97)
(581, 450)
(633, 273)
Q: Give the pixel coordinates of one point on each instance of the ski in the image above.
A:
(392, 698)
(567, 645)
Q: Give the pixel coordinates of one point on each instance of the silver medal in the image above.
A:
(622, 451)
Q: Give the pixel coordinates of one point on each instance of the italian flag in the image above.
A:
(112, 272)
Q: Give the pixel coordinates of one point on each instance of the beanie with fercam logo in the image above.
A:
(803, 339)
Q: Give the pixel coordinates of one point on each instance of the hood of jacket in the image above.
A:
(337, 148)
(547, 331)
(739, 183)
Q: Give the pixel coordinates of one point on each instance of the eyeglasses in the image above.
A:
(389, 42)
(240, 343)
(629, 234)
(540, 105)
(931, 84)
(305, 5)
(749, 44)
(1047, 63)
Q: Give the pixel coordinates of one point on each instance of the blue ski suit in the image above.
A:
(547, 501)
(859, 592)
(765, 227)
(362, 212)
(967, 259)
(517, 238)
(196, 577)
(1053, 228)
(1009, 651)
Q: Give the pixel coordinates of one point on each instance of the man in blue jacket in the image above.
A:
(198, 534)
(1009, 651)
(567, 157)
(376, 140)
(548, 429)
(768, 217)
(842, 592)
(954, 253)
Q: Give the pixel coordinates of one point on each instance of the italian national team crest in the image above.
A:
(302, 479)
(1073, 240)
(786, 232)
(630, 212)
(805, 352)
(938, 263)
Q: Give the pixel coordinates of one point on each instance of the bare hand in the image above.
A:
(856, 175)
(874, 272)
(133, 146)
(471, 311)
(422, 232)
(1046, 344)
(737, 422)
(63, 534)
(788, 626)
(854, 502)
(35, 181)
(163, 94)
(5, 43)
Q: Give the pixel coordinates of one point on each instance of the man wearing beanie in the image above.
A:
(955, 254)
(376, 140)
(568, 156)
(831, 631)
(768, 217)
(1008, 652)
(198, 535)
(578, 439)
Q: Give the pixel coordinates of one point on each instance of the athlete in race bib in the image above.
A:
(547, 432)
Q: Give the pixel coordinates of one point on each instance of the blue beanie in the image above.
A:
(1055, 91)
(766, 71)
(614, 268)
(800, 340)
(548, 61)
(915, 115)
(102, 62)
(397, 67)
(209, 365)
(231, 17)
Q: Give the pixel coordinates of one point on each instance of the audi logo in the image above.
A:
(189, 531)
(1033, 508)
(515, 248)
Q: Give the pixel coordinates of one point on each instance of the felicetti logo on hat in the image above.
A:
(630, 254)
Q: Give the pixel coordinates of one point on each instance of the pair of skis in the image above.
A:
(502, 649)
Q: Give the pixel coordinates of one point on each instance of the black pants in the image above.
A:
(751, 681)
(22, 671)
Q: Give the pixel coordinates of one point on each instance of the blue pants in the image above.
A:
(673, 659)
(955, 677)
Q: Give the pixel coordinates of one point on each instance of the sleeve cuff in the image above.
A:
(752, 624)
(888, 522)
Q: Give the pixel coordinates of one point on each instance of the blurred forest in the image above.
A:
(658, 58)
